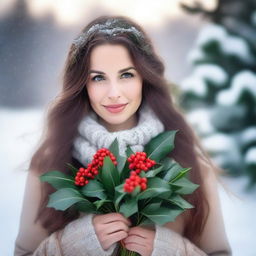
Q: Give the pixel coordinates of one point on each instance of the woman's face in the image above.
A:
(113, 80)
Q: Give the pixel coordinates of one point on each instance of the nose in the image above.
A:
(114, 91)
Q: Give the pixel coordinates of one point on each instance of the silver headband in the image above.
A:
(111, 27)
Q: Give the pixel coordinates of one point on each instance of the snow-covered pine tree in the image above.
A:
(220, 94)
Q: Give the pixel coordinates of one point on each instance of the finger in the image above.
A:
(115, 237)
(136, 248)
(135, 239)
(115, 226)
(138, 231)
(111, 217)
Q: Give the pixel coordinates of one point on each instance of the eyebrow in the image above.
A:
(120, 71)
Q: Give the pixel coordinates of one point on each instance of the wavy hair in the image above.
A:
(72, 104)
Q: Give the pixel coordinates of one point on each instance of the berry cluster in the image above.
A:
(139, 162)
(83, 175)
(133, 181)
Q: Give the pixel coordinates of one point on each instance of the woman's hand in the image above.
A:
(110, 228)
(140, 240)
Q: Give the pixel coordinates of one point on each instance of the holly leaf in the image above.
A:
(85, 206)
(94, 189)
(181, 174)
(167, 162)
(114, 148)
(63, 198)
(146, 222)
(173, 172)
(154, 172)
(119, 195)
(125, 172)
(160, 145)
(184, 186)
(129, 207)
(128, 151)
(162, 215)
(73, 169)
(100, 203)
(58, 179)
(136, 191)
(109, 176)
(153, 206)
(155, 187)
(179, 201)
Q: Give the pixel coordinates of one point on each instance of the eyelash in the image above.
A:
(93, 79)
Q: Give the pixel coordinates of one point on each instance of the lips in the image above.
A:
(115, 105)
(115, 108)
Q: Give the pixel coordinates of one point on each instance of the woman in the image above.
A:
(114, 86)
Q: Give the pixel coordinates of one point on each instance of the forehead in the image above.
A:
(107, 57)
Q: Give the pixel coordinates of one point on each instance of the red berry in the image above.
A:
(133, 173)
(143, 186)
(144, 180)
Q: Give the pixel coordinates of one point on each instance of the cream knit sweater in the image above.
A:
(79, 237)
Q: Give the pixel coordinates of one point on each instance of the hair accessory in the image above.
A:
(111, 27)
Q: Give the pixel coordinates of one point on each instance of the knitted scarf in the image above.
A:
(93, 136)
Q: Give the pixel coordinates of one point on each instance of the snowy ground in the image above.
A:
(20, 131)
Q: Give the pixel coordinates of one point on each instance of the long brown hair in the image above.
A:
(72, 104)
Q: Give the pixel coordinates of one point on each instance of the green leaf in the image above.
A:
(85, 206)
(179, 201)
(94, 189)
(114, 148)
(154, 172)
(64, 198)
(174, 170)
(165, 195)
(73, 169)
(109, 176)
(129, 207)
(118, 198)
(182, 173)
(167, 162)
(184, 186)
(160, 145)
(121, 160)
(155, 187)
(136, 191)
(125, 172)
(101, 203)
(120, 188)
(162, 215)
(119, 195)
(152, 206)
(128, 151)
(142, 174)
(58, 179)
(146, 222)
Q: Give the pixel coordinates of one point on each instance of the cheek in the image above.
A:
(136, 91)
(94, 94)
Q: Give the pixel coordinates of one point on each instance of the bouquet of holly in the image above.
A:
(145, 186)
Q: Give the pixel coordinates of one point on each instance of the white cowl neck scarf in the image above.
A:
(93, 136)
